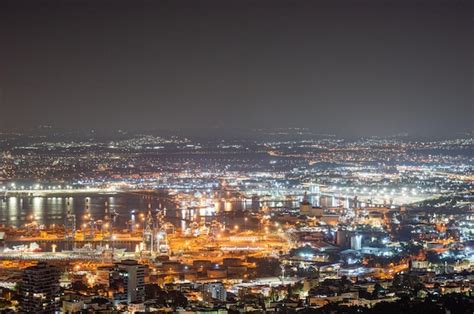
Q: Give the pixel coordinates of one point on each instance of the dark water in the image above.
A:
(18, 211)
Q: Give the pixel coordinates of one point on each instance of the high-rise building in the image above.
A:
(307, 209)
(127, 280)
(215, 291)
(39, 289)
(343, 238)
(314, 188)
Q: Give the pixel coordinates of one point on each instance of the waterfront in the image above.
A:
(18, 211)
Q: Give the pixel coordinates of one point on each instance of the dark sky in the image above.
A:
(349, 67)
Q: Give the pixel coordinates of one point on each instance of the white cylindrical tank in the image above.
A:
(356, 242)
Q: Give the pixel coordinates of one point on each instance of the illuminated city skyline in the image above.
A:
(232, 157)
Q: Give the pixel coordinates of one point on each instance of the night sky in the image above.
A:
(347, 67)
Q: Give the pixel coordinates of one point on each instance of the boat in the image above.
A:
(88, 249)
(24, 248)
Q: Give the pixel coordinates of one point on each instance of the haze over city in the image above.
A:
(345, 67)
(171, 156)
